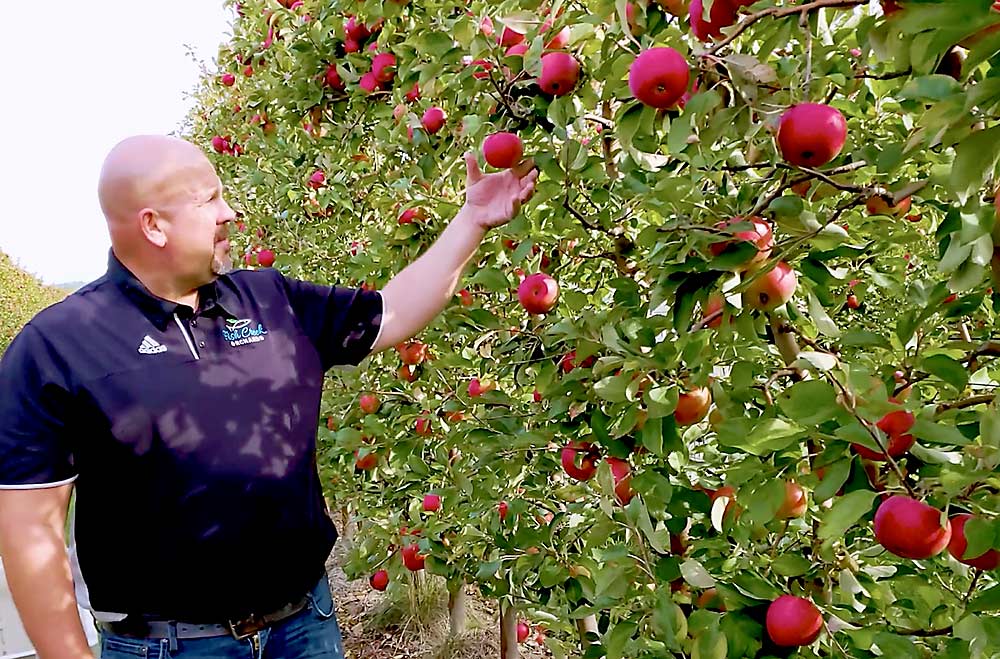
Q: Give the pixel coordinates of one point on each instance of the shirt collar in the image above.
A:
(159, 310)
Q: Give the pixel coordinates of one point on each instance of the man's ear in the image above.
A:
(151, 224)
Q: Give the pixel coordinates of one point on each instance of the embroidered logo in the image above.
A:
(243, 332)
(150, 346)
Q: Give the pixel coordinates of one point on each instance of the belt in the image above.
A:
(138, 627)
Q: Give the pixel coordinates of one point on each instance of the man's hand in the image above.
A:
(495, 199)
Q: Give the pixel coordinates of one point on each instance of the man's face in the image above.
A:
(197, 223)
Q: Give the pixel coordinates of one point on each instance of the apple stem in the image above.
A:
(779, 12)
(972, 586)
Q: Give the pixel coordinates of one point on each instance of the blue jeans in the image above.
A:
(312, 633)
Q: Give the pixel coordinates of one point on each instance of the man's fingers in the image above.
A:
(473, 173)
(523, 167)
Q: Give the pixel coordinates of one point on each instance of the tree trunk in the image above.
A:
(784, 340)
(584, 625)
(508, 632)
(457, 606)
(346, 532)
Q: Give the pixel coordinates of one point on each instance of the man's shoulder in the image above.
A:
(76, 307)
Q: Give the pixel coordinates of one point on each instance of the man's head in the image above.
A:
(166, 215)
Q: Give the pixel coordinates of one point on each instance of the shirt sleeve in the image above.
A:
(35, 450)
(343, 323)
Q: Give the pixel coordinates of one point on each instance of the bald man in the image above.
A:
(180, 399)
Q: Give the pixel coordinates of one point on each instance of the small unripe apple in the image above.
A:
(658, 77)
(852, 301)
(692, 406)
(228, 79)
(414, 93)
(560, 72)
(368, 403)
(465, 297)
(265, 258)
(909, 528)
(433, 120)
(538, 293)
(503, 150)
(811, 134)
(380, 580)
(423, 426)
(432, 503)
(958, 544)
(588, 462)
(413, 353)
(773, 289)
(793, 621)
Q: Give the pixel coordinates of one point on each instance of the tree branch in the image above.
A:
(982, 399)
(779, 12)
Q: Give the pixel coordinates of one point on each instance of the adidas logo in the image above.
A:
(149, 346)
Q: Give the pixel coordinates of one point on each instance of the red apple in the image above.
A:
(317, 180)
(568, 362)
(465, 297)
(368, 403)
(509, 37)
(692, 406)
(773, 289)
(503, 508)
(503, 150)
(621, 472)
(536, 395)
(228, 79)
(432, 503)
(723, 14)
(423, 426)
(384, 67)
(559, 40)
(265, 258)
(659, 77)
(477, 388)
(332, 78)
(710, 599)
(958, 544)
(811, 134)
(538, 293)
(760, 235)
(354, 30)
(879, 205)
(220, 144)
(365, 462)
(380, 580)
(793, 621)
(406, 373)
(412, 353)
(412, 559)
(560, 72)
(414, 93)
(795, 502)
(588, 462)
(368, 82)
(909, 528)
(852, 301)
(522, 631)
(433, 120)
(714, 305)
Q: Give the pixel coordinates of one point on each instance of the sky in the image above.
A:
(77, 78)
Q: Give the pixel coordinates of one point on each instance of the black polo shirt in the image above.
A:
(190, 435)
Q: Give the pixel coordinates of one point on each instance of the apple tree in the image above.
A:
(725, 386)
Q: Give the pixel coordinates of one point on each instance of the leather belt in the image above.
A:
(138, 627)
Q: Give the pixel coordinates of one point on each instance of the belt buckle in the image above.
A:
(243, 629)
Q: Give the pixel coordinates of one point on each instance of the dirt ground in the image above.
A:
(375, 627)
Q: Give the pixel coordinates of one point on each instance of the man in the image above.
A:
(181, 400)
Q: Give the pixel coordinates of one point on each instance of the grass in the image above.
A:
(21, 297)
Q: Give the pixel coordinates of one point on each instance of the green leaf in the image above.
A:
(834, 477)
(979, 533)
(845, 513)
(810, 402)
(791, 565)
(759, 436)
(864, 339)
(976, 158)
(988, 600)
(930, 88)
(710, 644)
(488, 570)
(938, 433)
(892, 645)
(615, 640)
(948, 369)
(612, 388)
(695, 574)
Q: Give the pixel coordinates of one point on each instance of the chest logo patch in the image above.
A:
(243, 332)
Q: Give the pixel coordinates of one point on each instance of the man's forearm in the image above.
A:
(425, 287)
